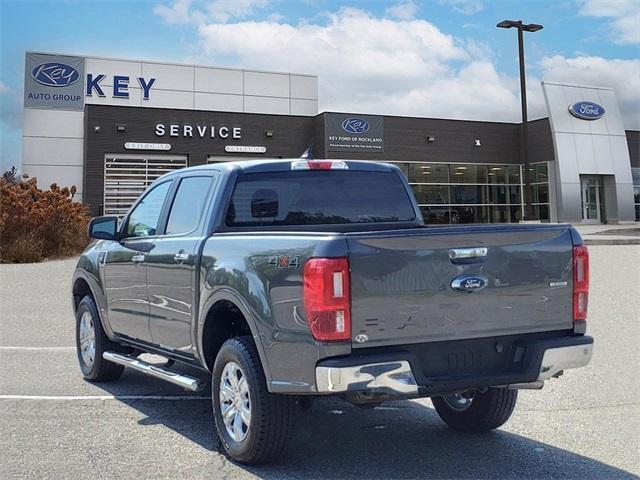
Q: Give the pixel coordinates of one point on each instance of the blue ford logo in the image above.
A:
(55, 74)
(586, 110)
(356, 126)
(469, 283)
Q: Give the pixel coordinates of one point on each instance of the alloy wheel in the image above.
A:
(235, 403)
(87, 339)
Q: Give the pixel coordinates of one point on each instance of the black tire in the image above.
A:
(272, 415)
(487, 410)
(99, 370)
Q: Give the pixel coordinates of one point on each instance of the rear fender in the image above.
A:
(230, 295)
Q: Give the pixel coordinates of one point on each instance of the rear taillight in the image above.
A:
(326, 294)
(580, 282)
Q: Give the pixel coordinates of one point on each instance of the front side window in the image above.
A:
(144, 218)
(188, 205)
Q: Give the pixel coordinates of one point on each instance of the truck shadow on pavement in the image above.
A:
(396, 440)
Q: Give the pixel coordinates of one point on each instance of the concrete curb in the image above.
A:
(604, 241)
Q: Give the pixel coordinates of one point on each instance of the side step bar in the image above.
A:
(180, 379)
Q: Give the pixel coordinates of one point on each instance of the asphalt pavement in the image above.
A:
(56, 425)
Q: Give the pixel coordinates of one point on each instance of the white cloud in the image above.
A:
(4, 88)
(178, 12)
(188, 11)
(224, 10)
(370, 64)
(622, 75)
(624, 15)
(466, 7)
(403, 11)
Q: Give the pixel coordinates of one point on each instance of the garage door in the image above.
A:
(127, 176)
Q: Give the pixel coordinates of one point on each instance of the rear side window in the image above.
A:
(188, 205)
(319, 198)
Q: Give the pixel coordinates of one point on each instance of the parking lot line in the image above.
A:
(101, 397)
(37, 348)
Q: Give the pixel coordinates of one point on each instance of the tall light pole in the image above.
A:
(524, 157)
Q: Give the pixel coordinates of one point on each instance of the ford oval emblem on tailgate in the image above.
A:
(469, 283)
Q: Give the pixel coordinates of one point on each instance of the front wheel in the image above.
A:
(252, 424)
(475, 411)
(92, 342)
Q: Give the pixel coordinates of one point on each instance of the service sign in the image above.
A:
(354, 133)
(54, 82)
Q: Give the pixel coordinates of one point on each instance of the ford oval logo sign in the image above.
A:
(55, 74)
(469, 283)
(586, 110)
(357, 126)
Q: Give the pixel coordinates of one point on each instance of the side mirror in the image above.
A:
(104, 228)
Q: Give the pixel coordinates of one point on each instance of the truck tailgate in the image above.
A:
(401, 283)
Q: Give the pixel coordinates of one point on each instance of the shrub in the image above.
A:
(38, 224)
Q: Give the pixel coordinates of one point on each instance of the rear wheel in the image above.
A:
(475, 411)
(253, 425)
(92, 342)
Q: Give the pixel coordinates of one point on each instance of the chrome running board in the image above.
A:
(180, 379)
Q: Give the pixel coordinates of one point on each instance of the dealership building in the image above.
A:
(112, 126)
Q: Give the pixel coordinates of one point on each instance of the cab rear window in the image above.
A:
(319, 198)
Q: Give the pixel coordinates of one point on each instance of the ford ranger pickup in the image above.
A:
(276, 282)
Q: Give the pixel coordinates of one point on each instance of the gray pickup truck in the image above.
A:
(275, 282)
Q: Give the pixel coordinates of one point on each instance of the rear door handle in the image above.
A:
(138, 258)
(181, 257)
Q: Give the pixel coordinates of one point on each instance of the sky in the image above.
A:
(429, 58)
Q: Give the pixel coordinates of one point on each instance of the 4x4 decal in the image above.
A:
(285, 261)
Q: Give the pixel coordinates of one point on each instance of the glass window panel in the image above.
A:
(469, 194)
(316, 197)
(428, 173)
(515, 213)
(431, 193)
(513, 173)
(469, 214)
(435, 215)
(635, 173)
(500, 214)
(498, 194)
(540, 193)
(497, 174)
(188, 205)
(540, 174)
(541, 212)
(469, 174)
(638, 212)
(636, 194)
(504, 214)
(143, 220)
(514, 194)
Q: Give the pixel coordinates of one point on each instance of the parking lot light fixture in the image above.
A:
(524, 157)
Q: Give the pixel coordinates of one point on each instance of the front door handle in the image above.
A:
(181, 257)
(138, 258)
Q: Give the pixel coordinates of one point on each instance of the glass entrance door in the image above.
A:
(590, 199)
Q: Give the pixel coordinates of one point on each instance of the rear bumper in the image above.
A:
(527, 362)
